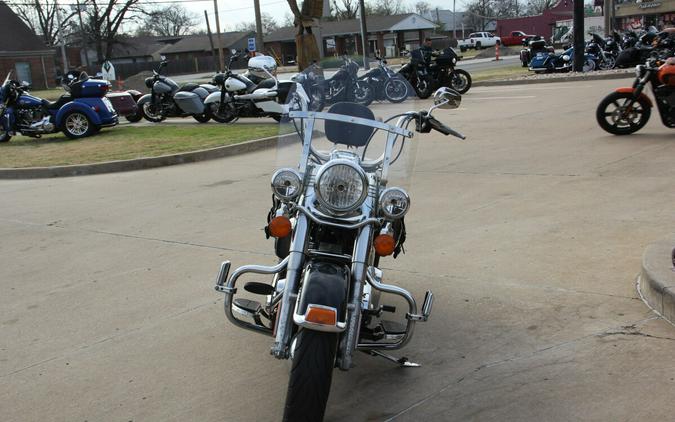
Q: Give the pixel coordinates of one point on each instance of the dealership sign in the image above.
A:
(649, 5)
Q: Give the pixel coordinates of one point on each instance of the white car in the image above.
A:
(479, 40)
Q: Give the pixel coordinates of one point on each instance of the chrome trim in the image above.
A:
(286, 197)
(317, 220)
(301, 321)
(350, 119)
(349, 340)
(382, 208)
(229, 289)
(280, 348)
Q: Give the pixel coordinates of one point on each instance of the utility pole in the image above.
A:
(62, 39)
(84, 41)
(454, 21)
(221, 58)
(258, 27)
(579, 46)
(364, 34)
(208, 31)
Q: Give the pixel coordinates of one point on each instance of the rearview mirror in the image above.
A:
(447, 98)
(163, 57)
(233, 51)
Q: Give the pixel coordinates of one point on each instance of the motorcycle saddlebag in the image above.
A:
(189, 102)
(90, 88)
(538, 45)
(123, 103)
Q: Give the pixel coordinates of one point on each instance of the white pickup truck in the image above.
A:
(479, 40)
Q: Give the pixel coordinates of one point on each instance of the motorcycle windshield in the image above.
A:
(308, 143)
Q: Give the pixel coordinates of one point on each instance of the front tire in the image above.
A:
(310, 377)
(363, 93)
(150, 114)
(461, 81)
(225, 115)
(5, 137)
(620, 114)
(202, 118)
(396, 89)
(77, 125)
(423, 89)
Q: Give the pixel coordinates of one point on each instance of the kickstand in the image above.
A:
(402, 362)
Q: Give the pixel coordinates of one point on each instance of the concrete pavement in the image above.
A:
(530, 234)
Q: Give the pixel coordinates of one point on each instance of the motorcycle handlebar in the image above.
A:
(445, 130)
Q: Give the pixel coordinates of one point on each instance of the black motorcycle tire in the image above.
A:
(202, 118)
(367, 97)
(5, 137)
(136, 117)
(424, 91)
(310, 377)
(90, 129)
(154, 118)
(403, 86)
(217, 116)
(601, 114)
(456, 77)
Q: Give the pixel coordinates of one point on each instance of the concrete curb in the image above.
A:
(140, 163)
(657, 280)
(568, 78)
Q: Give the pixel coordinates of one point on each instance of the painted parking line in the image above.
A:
(519, 97)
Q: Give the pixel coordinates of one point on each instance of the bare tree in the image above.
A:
(170, 21)
(288, 20)
(389, 7)
(104, 20)
(536, 7)
(41, 17)
(305, 42)
(422, 8)
(479, 13)
(268, 24)
(345, 9)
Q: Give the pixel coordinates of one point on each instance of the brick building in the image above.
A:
(23, 52)
(543, 24)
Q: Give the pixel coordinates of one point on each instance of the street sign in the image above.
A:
(251, 44)
(108, 71)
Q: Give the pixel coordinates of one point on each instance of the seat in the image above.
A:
(55, 105)
(349, 133)
(188, 87)
(266, 83)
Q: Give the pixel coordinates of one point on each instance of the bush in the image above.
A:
(335, 62)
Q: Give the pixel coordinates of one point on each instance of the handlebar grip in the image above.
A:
(445, 130)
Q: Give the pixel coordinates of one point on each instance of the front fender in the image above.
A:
(325, 286)
(642, 95)
(76, 106)
(144, 99)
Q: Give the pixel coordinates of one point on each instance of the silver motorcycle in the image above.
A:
(333, 218)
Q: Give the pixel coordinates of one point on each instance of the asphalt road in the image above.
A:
(530, 234)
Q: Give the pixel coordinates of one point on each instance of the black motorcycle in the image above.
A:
(427, 72)
(345, 86)
(386, 84)
(313, 82)
(597, 46)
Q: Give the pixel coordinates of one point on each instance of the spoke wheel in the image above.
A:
(363, 93)
(223, 114)
(77, 125)
(396, 89)
(620, 114)
(461, 81)
(609, 63)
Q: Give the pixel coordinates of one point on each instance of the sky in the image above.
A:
(234, 11)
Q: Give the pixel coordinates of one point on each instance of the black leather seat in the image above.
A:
(349, 133)
(55, 105)
(267, 83)
(188, 87)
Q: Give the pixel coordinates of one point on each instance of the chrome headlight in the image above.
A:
(394, 203)
(286, 184)
(341, 186)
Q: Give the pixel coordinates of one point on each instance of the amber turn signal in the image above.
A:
(280, 226)
(322, 316)
(384, 244)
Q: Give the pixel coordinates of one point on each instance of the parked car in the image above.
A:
(516, 38)
(479, 40)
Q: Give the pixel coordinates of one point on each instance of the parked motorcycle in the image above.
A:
(345, 85)
(168, 99)
(313, 82)
(386, 84)
(239, 96)
(334, 218)
(125, 104)
(81, 112)
(426, 74)
(597, 47)
(543, 62)
(627, 110)
(534, 47)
